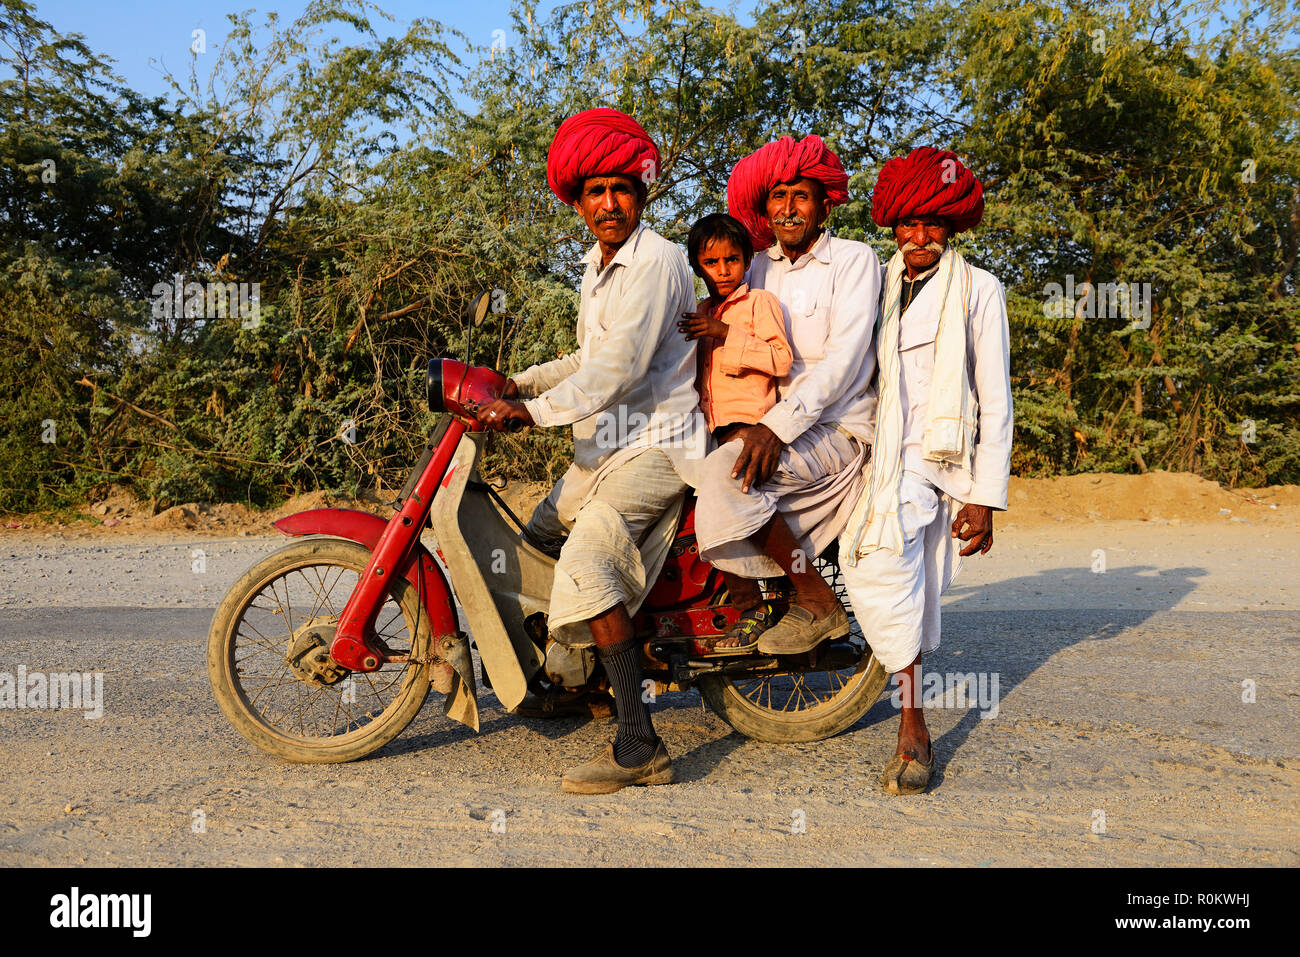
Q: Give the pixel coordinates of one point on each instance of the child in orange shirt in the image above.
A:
(743, 347)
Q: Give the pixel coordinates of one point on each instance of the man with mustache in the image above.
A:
(778, 492)
(629, 393)
(942, 453)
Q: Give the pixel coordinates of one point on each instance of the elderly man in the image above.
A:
(629, 393)
(942, 452)
(775, 496)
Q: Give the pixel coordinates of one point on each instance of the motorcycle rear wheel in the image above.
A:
(253, 677)
(792, 707)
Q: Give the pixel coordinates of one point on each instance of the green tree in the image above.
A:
(334, 168)
(1118, 149)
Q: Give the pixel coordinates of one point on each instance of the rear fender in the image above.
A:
(423, 573)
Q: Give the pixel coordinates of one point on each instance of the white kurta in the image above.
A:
(629, 393)
(987, 339)
(896, 597)
(829, 297)
(631, 385)
(824, 413)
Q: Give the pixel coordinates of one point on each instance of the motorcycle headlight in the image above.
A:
(433, 386)
(451, 386)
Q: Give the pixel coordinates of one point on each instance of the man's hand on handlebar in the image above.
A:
(504, 415)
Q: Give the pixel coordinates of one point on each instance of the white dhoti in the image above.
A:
(613, 550)
(896, 596)
(815, 486)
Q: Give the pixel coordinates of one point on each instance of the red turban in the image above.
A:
(600, 142)
(780, 162)
(929, 182)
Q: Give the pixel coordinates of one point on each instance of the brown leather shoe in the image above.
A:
(605, 775)
(798, 631)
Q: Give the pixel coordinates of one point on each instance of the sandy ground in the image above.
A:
(1121, 735)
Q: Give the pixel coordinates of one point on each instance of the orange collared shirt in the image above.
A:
(737, 376)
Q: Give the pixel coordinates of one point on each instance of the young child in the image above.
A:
(743, 347)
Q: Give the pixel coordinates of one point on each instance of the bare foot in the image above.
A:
(727, 643)
(915, 739)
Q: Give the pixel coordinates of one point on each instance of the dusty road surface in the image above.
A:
(1147, 714)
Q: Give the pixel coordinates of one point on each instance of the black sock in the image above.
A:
(635, 742)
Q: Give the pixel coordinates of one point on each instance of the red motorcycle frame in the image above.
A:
(685, 608)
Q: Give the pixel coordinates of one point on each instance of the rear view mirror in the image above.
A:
(478, 309)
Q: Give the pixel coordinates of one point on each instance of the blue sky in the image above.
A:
(133, 31)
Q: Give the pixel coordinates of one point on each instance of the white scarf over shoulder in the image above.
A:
(948, 435)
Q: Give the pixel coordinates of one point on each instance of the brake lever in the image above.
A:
(512, 425)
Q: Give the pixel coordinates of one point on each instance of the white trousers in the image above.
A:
(615, 548)
(896, 597)
(817, 481)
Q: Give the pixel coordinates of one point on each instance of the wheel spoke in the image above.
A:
(260, 668)
(317, 597)
(269, 641)
(280, 682)
(381, 629)
(260, 650)
(288, 617)
(304, 701)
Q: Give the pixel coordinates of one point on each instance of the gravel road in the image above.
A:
(1124, 732)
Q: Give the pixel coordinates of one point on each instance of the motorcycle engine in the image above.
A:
(567, 666)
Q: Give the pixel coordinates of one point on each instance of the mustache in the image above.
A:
(933, 246)
(611, 216)
(792, 220)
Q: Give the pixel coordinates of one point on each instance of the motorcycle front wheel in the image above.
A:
(791, 707)
(275, 622)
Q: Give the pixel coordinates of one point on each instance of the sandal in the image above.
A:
(751, 625)
(904, 774)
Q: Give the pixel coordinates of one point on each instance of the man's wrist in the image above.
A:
(988, 499)
(535, 410)
(524, 382)
(781, 424)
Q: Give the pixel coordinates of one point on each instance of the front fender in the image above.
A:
(365, 529)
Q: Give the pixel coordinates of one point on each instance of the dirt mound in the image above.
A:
(1173, 498)
(1164, 497)
(176, 517)
(120, 511)
(369, 501)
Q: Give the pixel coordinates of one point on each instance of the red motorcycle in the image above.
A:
(326, 649)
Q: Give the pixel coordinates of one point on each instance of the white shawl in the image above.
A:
(948, 435)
